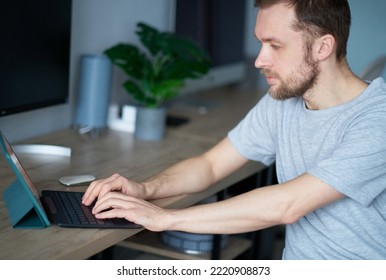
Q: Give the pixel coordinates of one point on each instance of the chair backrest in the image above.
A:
(374, 69)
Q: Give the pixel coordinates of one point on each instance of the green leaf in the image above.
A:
(130, 59)
(149, 37)
(166, 89)
(136, 91)
(159, 73)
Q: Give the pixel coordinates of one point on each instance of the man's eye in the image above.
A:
(275, 47)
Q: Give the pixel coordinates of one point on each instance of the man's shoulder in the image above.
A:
(378, 86)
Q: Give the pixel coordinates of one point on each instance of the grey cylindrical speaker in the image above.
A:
(93, 92)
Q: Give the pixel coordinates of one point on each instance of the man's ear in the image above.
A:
(325, 46)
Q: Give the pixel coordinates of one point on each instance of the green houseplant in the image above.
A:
(157, 71)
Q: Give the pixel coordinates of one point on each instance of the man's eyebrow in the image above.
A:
(270, 40)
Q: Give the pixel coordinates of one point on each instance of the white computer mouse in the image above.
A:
(76, 180)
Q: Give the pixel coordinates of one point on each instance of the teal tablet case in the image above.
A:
(25, 210)
(21, 209)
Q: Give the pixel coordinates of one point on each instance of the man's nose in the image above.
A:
(262, 60)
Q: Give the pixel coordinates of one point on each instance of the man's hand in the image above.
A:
(118, 205)
(114, 183)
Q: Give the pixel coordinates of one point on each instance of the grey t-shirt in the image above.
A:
(344, 146)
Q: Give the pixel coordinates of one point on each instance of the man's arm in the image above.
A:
(257, 209)
(261, 208)
(189, 176)
(197, 173)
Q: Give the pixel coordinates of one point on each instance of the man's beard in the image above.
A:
(298, 82)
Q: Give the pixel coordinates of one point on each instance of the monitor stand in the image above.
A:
(42, 149)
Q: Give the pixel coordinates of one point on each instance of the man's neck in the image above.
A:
(335, 86)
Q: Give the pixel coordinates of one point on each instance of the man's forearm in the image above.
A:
(188, 176)
(260, 208)
(250, 211)
(197, 173)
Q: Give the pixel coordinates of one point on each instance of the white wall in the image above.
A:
(99, 24)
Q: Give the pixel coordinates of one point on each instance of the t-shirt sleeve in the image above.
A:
(253, 136)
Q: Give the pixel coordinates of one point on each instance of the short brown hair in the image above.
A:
(320, 17)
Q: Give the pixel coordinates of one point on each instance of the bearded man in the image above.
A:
(324, 128)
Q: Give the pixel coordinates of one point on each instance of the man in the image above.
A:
(324, 127)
